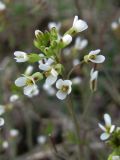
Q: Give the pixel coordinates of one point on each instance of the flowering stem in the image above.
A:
(69, 74)
(75, 121)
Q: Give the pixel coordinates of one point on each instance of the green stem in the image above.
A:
(76, 125)
(69, 74)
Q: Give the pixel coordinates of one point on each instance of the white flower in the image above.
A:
(116, 157)
(5, 144)
(80, 44)
(14, 97)
(20, 56)
(2, 6)
(94, 57)
(1, 122)
(76, 62)
(108, 128)
(79, 25)
(67, 39)
(2, 109)
(53, 24)
(30, 88)
(49, 89)
(14, 132)
(93, 79)
(49, 72)
(64, 87)
(29, 70)
(114, 25)
(31, 91)
(76, 80)
(41, 139)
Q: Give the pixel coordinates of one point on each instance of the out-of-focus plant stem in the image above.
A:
(76, 125)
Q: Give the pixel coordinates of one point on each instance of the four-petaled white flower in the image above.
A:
(80, 43)
(49, 71)
(29, 85)
(94, 57)
(67, 39)
(64, 87)
(93, 79)
(108, 128)
(79, 25)
(20, 56)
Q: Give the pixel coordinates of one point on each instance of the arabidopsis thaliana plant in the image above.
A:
(79, 25)
(108, 128)
(80, 44)
(64, 87)
(93, 79)
(20, 56)
(94, 57)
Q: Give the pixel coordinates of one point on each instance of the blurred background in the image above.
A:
(29, 121)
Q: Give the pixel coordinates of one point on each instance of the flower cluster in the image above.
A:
(50, 43)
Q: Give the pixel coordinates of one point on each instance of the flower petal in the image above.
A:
(50, 80)
(44, 67)
(61, 95)
(107, 120)
(104, 136)
(112, 128)
(93, 74)
(94, 52)
(59, 83)
(2, 122)
(21, 81)
(98, 59)
(102, 127)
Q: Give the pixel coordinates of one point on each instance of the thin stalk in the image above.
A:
(76, 125)
(69, 74)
